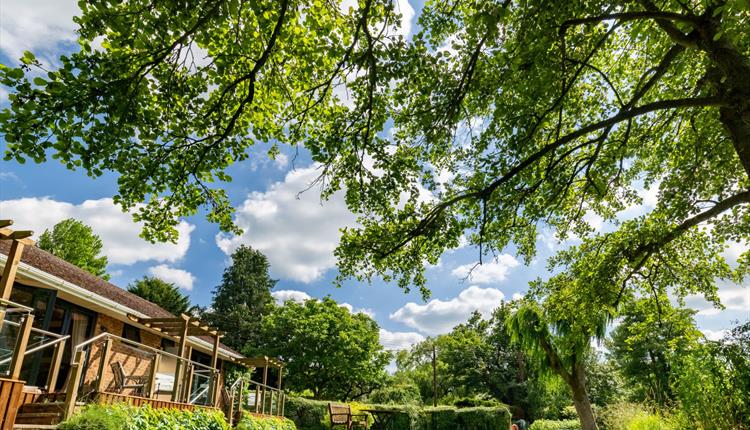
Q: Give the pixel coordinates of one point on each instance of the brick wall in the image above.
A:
(135, 362)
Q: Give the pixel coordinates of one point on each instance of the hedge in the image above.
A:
(126, 417)
(313, 415)
(555, 425)
(253, 422)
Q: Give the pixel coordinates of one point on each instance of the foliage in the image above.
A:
(646, 343)
(252, 422)
(242, 300)
(604, 381)
(327, 349)
(555, 425)
(76, 243)
(125, 417)
(313, 415)
(163, 293)
(398, 393)
(634, 416)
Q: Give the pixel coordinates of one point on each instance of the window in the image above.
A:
(131, 333)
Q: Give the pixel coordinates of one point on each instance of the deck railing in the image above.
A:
(254, 397)
(108, 363)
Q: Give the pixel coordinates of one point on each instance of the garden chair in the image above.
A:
(122, 381)
(341, 415)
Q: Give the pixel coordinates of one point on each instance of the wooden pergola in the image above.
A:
(179, 329)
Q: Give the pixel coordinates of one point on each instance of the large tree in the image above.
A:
(328, 350)
(163, 293)
(242, 299)
(650, 337)
(76, 243)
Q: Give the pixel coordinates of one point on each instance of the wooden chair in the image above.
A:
(341, 415)
(121, 380)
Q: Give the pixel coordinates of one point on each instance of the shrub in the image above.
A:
(633, 416)
(125, 417)
(307, 414)
(252, 422)
(555, 425)
(400, 394)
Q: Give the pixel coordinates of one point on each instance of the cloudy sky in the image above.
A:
(296, 232)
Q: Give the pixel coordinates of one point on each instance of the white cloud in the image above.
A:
(399, 340)
(735, 298)
(714, 334)
(367, 311)
(118, 231)
(282, 296)
(181, 278)
(487, 273)
(439, 316)
(297, 232)
(36, 25)
(407, 15)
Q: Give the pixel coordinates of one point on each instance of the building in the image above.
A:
(69, 337)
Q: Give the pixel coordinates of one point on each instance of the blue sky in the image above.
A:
(297, 233)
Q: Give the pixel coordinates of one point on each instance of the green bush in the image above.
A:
(252, 422)
(400, 394)
(633, 416)
(555, 425)
(307, 414)
(125, 417)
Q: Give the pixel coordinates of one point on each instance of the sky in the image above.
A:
(297, 232)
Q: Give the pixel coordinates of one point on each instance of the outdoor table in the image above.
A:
(383, 418)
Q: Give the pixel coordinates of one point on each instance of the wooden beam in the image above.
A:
(105, 353)
(5, 222)
(152, 375)
(76, 370)
(24, 331)
(9, 271)
(213, 383)
(54, 371)
(180, 369)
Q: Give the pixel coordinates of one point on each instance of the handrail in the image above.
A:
(11, 304)
(34, 329)
(198, 395)
(100, 336)
(36, 349)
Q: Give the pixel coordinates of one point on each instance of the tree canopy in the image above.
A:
(327, 349)
(163, 293)
(510, 114)
(76, 243)
(242, 299)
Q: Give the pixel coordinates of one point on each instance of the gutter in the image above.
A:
(81, 293)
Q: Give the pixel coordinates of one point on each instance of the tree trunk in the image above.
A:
(581, 401)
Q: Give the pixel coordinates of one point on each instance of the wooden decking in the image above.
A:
(10, 396)
(108, 398)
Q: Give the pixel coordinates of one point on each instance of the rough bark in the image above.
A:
(577, 382)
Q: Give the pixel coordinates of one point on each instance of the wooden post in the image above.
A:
(281, 393)
(257, 399)
(239, 404)
(152, 375)
(105, 353)
(9, 271)
(265, 382)
(188, 385)
(214, 383)
(231, 407)
(434, 376)
(24, 331)
(76, 370)
(179, 370)
(54, 369)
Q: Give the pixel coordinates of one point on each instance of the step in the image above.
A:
(47, 418)
(34, 426)
(42, 407)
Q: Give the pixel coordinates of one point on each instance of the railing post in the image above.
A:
(76, 370)
(187, 386)
(103, 364)
(257, 399)
(54, 369)
(231, 407)
(283, 402)
(179, 371)
(239, 405)
(24, 331)
(152, 375)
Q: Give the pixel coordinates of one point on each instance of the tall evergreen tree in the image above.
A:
(163, 293)
(242, 299)
(76, 243)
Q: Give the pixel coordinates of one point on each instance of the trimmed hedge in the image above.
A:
(555, 425)
(125, 417)
(252, 422)
(313, 415)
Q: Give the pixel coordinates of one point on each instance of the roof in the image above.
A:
(43, 260)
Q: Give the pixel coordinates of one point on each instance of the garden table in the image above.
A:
(382, 417)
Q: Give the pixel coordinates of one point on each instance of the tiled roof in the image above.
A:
(60, 268)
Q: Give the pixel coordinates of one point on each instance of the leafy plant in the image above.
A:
(555, 425)
(126, 417)
(252, 422)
